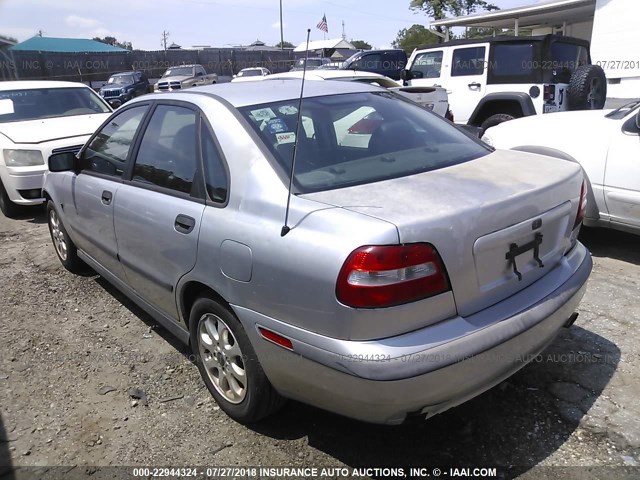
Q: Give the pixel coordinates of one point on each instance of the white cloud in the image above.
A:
(76, 21)
(277, 25)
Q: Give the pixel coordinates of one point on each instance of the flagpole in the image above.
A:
(281, 29)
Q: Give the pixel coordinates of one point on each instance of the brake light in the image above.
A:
(388, 275)
(549, 93)
(582, 206)
(449, 115)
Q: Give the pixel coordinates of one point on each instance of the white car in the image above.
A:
(37, 119)
(432, 98)
(250, 74)
(605, 143)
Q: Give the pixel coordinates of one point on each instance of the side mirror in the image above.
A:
(638, 119)
(62, 162)
(405, 75)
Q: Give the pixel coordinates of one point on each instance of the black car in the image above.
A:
(122, 87)
(390, 63)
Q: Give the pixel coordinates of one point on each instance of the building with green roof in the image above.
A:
(66, 45)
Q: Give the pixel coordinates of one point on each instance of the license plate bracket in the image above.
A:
(516, 250)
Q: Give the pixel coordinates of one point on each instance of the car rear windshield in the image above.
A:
(21, 105)
(250, 73)
(358, 138)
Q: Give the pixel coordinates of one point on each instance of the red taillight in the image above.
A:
(449, 115)
(549, 93)
(276, 338)
(388, 275)
(582, 206)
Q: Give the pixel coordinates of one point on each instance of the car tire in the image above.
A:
(494, 120)
(8, 208)
(228, 363)
(65, 249)
(587, 89)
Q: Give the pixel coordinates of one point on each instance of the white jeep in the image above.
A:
(495, 79)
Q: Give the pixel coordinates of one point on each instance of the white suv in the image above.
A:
(495, 79)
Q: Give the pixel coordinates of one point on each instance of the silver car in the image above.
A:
(402, 269)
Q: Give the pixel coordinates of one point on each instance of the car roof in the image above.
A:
(125, 73)
(252, 68)
(328, 74)
(35, 84)
(503, 39)
(241, 94)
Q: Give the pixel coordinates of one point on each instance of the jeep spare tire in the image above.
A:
(588, 88)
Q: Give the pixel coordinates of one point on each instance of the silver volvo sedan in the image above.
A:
(347, 248)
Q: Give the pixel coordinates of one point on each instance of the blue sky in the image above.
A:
(211, 22)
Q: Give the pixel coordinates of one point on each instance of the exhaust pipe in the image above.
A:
(571, 320)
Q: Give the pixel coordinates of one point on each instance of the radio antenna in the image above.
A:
(285, 228)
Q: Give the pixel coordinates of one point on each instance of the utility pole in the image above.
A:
(165, 37)
(281, 29)
(344, 33)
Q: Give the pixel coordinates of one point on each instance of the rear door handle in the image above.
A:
(475, 85)
(107, 196)
(184, 224)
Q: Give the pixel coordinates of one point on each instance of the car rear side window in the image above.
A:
(468, 61)
(167, 156)
(108, 151)
(214, 172)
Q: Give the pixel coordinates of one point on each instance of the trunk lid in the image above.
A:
(473, 213)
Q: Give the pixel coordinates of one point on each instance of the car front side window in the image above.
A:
(167, 156)
(108, 151)
(429, 63)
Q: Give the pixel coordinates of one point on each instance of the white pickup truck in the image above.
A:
(184, 76)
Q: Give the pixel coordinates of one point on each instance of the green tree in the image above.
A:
(439, 9)
(410, 38)
(113, 41)
(361, 44)
(285, 44)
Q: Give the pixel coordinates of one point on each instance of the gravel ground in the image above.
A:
(72, 347)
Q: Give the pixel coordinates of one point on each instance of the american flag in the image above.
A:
(322, 24)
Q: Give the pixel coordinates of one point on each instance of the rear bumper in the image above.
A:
(17, 179)
(429, 370)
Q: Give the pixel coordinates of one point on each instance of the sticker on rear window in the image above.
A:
(277, 126)
(287, 137)
(288, 110)
(262, 114)
(6, 106)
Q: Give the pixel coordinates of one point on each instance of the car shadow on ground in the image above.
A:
(515, 425)
(36, 215)
(604, 242)
(6, 469)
